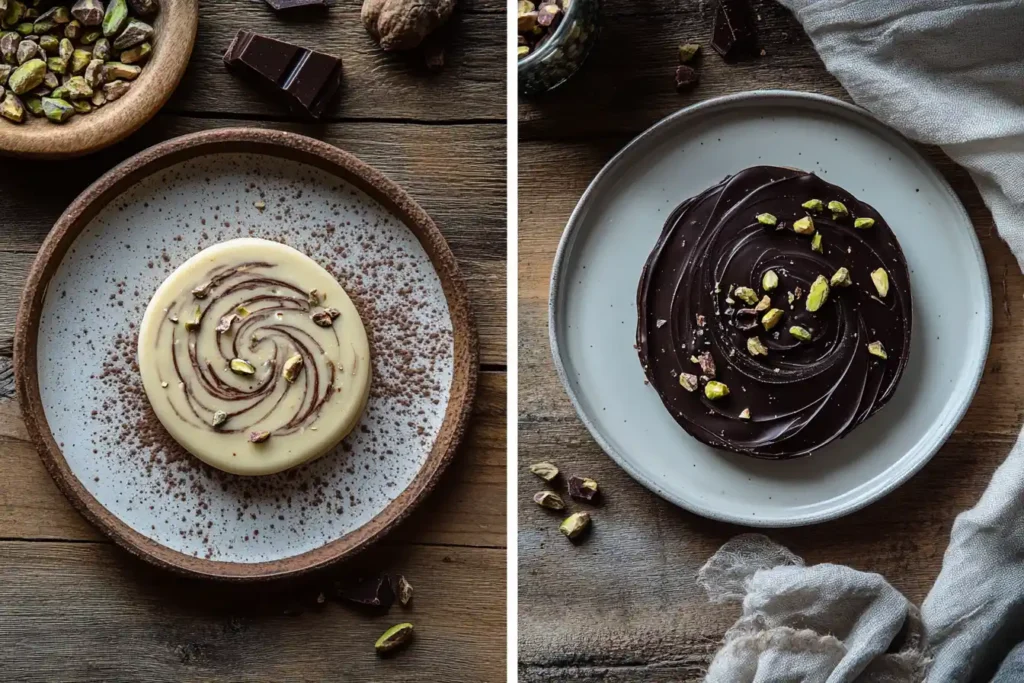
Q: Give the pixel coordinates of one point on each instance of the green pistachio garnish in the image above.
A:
(242, 311)
(881, 280)
(876, 349)
(394, 638)
(818, 295)
(197, 317)
(715, 390)
(764, 304)
(745, 414)
(838, 209)
(745, 294)
(688, 381)
(771, 318)
(549, 499)
(219, 418)
(813, 205)
(258, 437)
(242, 367)
(841, 278)
(864, 223)
(756, 348)
(769, 281)
(544, 470)
(816, 243)
(292, 367)
(800, 333)
(804, 226)
(687, 52)
(575, 524)
(767, 219)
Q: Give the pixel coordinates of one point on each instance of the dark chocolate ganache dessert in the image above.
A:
(774, 313)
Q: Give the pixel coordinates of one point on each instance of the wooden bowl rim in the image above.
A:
(40, 139)
(293, 147)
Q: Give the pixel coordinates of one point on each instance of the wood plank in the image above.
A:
(375, 85)
(89, 612)
(467, 508)
(627, 82)
(456, 172)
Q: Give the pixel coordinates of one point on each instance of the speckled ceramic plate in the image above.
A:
(617, 222)
(83, 398)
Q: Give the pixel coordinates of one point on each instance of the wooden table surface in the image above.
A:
(623, 606)
(73, 607)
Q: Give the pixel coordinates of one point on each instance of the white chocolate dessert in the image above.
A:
(254, 358)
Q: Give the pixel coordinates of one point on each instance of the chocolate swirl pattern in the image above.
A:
(253, 357)
(809, 378)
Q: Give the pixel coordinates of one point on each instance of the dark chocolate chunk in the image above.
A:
(582, 488)
(686, 78)
(733, 34)
(282, 5)
(372, 592)
(309, 79)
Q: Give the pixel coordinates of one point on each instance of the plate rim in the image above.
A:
(937, 437)
(293, 147)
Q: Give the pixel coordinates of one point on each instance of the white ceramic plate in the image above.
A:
(592, 309)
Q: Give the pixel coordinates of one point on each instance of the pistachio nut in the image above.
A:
(242, 367)
(79, 60)
(34, 105)
(56, 65)
(113, 71)
(27, 77)
(313, 296)
(525, 7)
(746, 295)
(745, 414)
(715, 390)
(27, 49)
(575, 524)
(292, 367)
(73, 30)
(816, 243)
(756, 347)
(219, 418)
(81, 107)
(101, 49)
(769, 280)
(837, 208)
(707, 364)
(549, 499)
(78, 88)
(9, 47)
(115, 17)
(764, 304)
(875, 348)
(26, 29)
(60, 93)
(49, 44)
(58, 14)
(544, 470)
(771, 318)
(881, 280)
(5, 73)
(258, 437)
(813, 205)
(394, 638)
(145, 7)
(94, 73)
(57, 110)
(404, 591)
(687, 51)
(196, 321)
(804, 226)
(98, 98)
(326, 317)
(12, 109)
(767, 219)
(863, 223)
(800, 333)
(137, 54)
(242, 312)
(91, 37)
(89, 12)
(547, 14)
(841, 278)
(115, 90)
(14, 14)
(818, 294)
(523, 50)
(688, 381)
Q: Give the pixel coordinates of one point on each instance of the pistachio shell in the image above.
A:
(56, 65)
(876, 349)
(756, 347)
(242, 367)
(863, 223)
(81, 107)
(101, 50)
(115, 90)
(745, 294)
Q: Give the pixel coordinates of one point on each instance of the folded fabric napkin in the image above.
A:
(949, 73)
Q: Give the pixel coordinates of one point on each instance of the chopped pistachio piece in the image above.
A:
(804, 226)
(522, 50)
(771, 318)
(27, 77)
(715, 390)
(12, 108)
(544, 470)
(197, 318)
(79, 60)
(688, 381)
(876, 349)
(745, 414)
(813, 205)
(57, 65)
(292, 367)
(837, 208)
(135, 33)
(764, 304)
(816, 243)
(113, 71)
(575, 524)
(841, 278)
(800, 333)
(115, 90)
(77, 88)
(881, 280)
(136, 54)
(219, 418)
(818, 295)
(81, 107)
(769, 281)
(549, 499)
(687, 51)
(745, 294)
(242, 367)
(756, 347)
(57, 110)
(767, 219)
(394, 638)
(89, 12)
(864, 223)
(115, 17)
(258, 437)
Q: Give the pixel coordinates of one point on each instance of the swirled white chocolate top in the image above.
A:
(254, 358)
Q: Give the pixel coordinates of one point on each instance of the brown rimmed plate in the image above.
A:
(83, 401)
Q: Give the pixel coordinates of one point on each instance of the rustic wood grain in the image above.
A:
(376, 85)
(89, 612)
(623, 605)
(175, 28)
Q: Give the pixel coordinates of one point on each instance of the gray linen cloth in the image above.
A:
(949, 73)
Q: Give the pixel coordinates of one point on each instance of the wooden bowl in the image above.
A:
(174, 35)
(59, 451)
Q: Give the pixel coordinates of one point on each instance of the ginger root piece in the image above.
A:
(403, 24)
